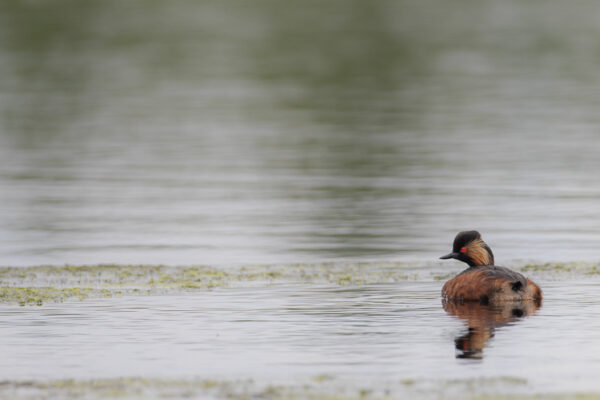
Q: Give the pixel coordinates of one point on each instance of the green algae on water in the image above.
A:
(563, 269)
(328, 388)
(48, 283)
(38, 295)
(126, 388)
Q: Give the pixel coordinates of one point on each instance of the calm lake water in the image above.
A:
(225, 132)
(374, 336)
(232, 132)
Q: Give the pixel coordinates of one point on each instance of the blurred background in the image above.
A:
(235, 132)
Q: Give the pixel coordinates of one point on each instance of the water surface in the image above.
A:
(376, 336)
(227, 132)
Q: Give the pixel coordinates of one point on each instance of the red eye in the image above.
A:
(463, 250)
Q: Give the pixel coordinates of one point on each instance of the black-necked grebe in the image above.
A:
(483, 281)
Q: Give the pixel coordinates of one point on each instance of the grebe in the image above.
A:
(483, 281)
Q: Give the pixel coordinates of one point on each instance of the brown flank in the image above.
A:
(490, 284)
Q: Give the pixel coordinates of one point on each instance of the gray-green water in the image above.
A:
(229, 133)
(393, 338)
(270, 131)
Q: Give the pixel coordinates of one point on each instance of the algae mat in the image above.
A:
(39, 284)
(317, 388)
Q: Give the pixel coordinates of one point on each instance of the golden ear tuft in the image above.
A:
(477, 253)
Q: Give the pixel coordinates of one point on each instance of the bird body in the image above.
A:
(490, 284)
(483, 281)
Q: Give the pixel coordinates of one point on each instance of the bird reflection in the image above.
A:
(482, 321)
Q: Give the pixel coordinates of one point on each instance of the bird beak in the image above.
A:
(450, 255)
